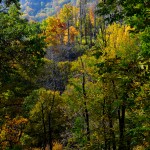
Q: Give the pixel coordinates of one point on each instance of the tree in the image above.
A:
(11, 132)
(21, 51)
(4, 4)
(66, 15)
(53, 30)
(120, 75)
(135, 12)
(8, 2)
(78, 97)
(21, 47)
(45, 109)
(111, 10)
(72, 34)
(21, 54)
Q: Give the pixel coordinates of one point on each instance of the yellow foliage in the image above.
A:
(45, 100)
(91, 15)
(73, 33)
(139, 148)
(12, 130)
(119, 42)
(57, 146)
(53, 31)
(89, 65)
(66, 13)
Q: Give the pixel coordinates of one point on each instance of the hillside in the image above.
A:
(76, 80)
(39, 10)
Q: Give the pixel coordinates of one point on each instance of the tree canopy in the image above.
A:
(79, 79)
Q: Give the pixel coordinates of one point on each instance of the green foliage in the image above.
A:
(75, 100)
(121, 80)
(66, 13)
(111, 10)
(21, 47)
(21, 54)
(37, 107)
(104, 92)
(145, 42)
(6, 3)
(137, 13)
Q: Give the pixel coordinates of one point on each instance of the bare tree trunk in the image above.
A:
(50, 112)
(103, 31)
(85, 104)
(122, 128)
(112, 134)
(85, 30)
(104, 126)
(95, 30)
(44, 127)
(90, 33)
(50, 132)
(68, 32)
(121, 118)
(80, 22)
(75, 24)
(85, 23)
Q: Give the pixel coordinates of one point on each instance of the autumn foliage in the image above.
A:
(53, 31)
(11, 131)
(73, 33)
(92, 89)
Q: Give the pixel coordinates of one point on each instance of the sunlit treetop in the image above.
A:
(119, 43)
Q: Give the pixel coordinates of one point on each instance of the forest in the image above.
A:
(39, 10)
(76, 80)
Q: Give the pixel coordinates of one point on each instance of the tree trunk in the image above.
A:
(50, 132)
(121, 128)
(80, 22)
(50, 111)
(44, 127)
(104, 127)
(85, 104)
(68, 32)
(95, 28)
(121, 118)
(90, 29)
(85, 30)
(112, 134)
(85, 23)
